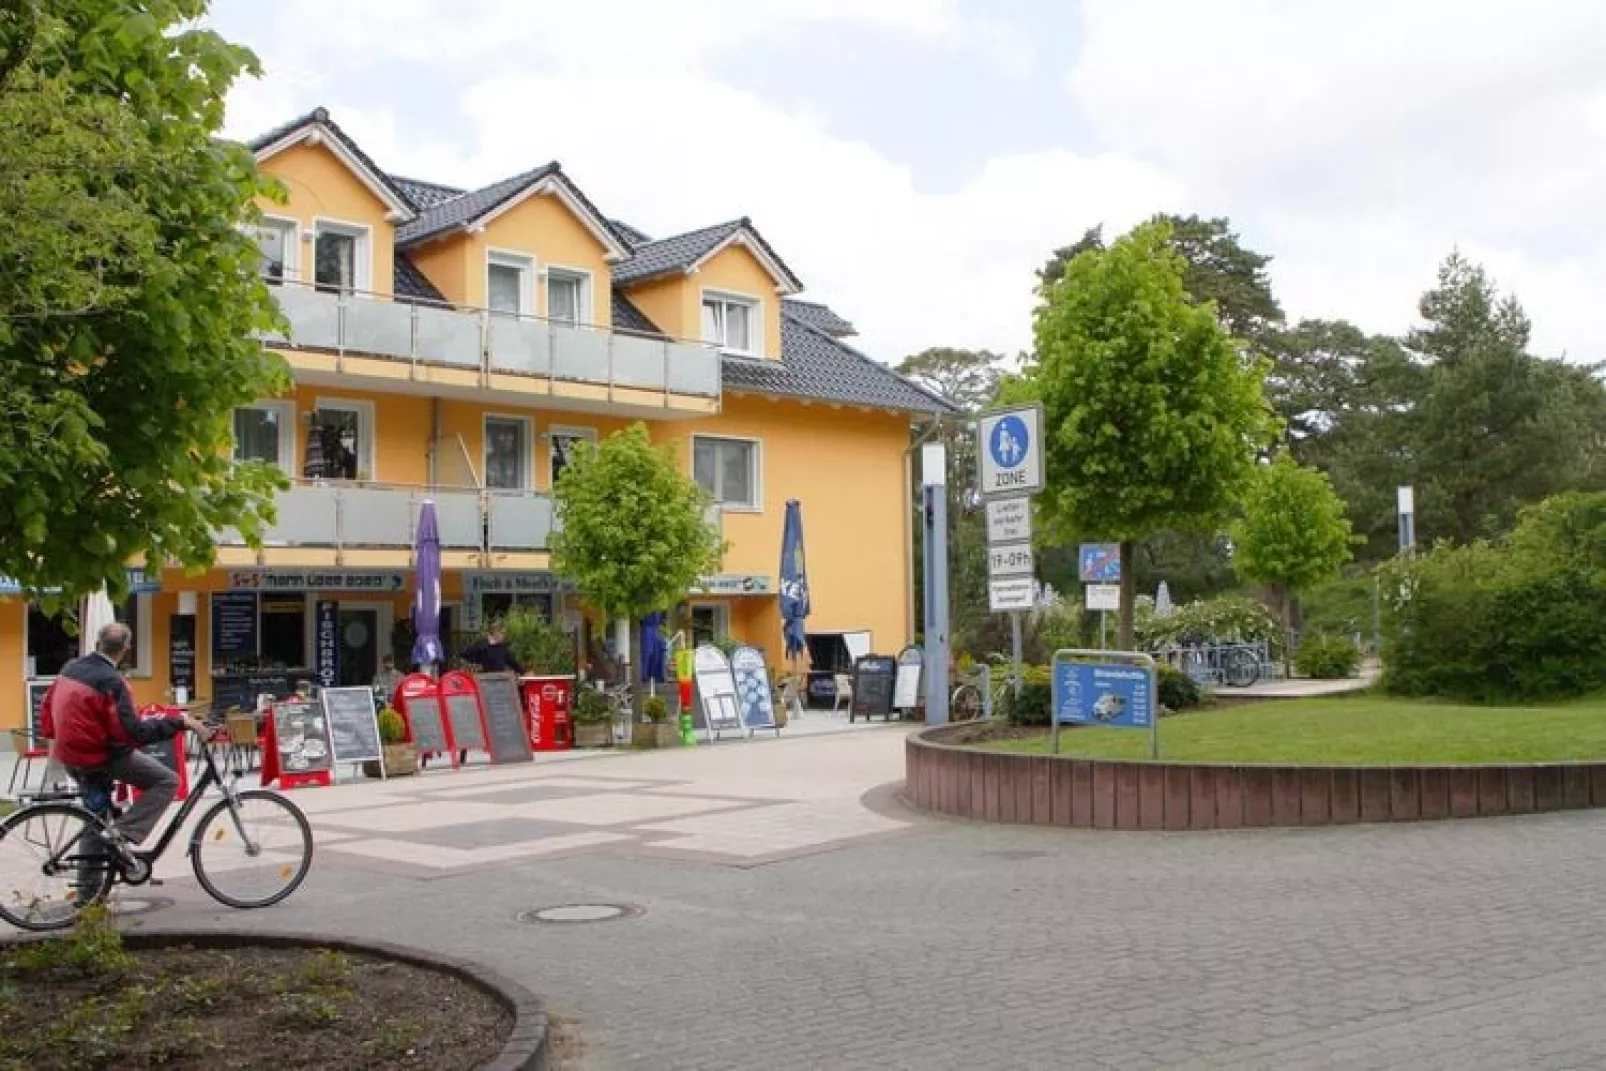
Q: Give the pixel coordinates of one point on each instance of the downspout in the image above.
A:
(933, 427)
(432, 453)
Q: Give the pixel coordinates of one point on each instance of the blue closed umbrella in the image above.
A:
(654, 652)
(427, 650)
(794, 580)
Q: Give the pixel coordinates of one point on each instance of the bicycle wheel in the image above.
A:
(1240, 668)
(251, 851)
(53, 864)
(966, 703)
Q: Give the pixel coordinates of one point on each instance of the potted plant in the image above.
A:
(542, 646)
(593, 720)
(400, 754)
(655, 729)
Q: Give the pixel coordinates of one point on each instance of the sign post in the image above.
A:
(1009, 462)
(934, 499)
(1406, 497)
(1111, 688)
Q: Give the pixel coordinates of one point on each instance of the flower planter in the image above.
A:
(651, 734)
(593, 734)
(401, 760)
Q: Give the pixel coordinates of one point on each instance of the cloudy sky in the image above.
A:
(915, 160)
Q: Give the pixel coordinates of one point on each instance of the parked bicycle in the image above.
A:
(251, 849)
(1237, 665)
(980, 694)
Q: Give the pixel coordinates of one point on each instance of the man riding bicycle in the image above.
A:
(95, 733)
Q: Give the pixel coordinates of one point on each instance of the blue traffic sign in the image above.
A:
(1010, 442)
(1093, 693)
(1100, 563)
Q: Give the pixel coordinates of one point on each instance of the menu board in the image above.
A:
(716, 688)
(36, 705)
(234, 623)
(504, 718)
(303, 737)
(240, 691)
(464, 711)
(425, 717)
(906, 685)
(353, 724)
(753, 696)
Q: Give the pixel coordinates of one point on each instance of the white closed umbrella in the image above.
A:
(97, 613)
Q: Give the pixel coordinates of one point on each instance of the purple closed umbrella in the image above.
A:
(427, 650)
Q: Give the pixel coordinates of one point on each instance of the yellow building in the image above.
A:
(453, 345)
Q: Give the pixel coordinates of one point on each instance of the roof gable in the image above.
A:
(316, 128)
(685, 253)
(476, 208)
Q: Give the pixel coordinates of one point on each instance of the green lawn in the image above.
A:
(1359, 730)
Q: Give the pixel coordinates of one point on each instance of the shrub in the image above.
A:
(654, 709)
(392, 728)
(590, 707)
(541, 646)
(1226, 619)
(1036, 697)
(1327, 658)
(1177, 690)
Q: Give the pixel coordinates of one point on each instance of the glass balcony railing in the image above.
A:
(466, 338)
(338, 514)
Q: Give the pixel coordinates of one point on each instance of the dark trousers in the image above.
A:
(135, 768)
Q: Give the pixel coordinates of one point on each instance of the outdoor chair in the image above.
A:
(245, 747)
(28, 750)
(844, 694)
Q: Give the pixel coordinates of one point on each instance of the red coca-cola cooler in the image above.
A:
(547, 703)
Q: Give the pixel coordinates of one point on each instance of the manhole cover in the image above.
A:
(580, 913)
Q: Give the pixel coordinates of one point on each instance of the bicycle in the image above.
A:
(620, 703)
(62, 836)
(969, 701)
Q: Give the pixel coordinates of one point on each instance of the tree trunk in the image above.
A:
(1129, 586)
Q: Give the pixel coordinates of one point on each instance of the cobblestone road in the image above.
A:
(943, 945)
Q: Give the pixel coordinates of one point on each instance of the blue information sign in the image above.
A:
(1091, 693)
(1100, 563)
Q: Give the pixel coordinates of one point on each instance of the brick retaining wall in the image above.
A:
(994, 786)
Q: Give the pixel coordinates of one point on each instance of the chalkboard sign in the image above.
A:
(36, 705)
(460, 695)
(353, 723)
(753, 695)
(873, 677)
(421, 706)
(716, 688)
(181, 652)
(504, 718)
(303, 737)
(240, 691)
(234, 623)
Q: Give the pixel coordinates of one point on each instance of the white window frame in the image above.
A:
(367, 450)
(757, 505)
(292, 244)
(362, 260)
(525, 265)
(758, 330)
(527, 483)
(287, 431)
(587, 281)
(571, 431)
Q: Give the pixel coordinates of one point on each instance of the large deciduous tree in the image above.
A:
(129, 294)
(634, 536)
(1152, 415)
(1292, 533)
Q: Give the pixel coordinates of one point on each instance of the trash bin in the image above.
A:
(873, 679)
(547, 702)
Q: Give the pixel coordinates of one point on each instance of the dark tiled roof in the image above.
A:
(426, 194)
(815, 365)
(411, 284)
(321, 116)
(819, 317)
(454, 212)
(632, 235)
(679, 252)
(626, 317)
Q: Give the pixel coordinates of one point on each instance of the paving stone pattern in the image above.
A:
(858, 940)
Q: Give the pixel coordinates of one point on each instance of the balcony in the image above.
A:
(347, 516)
(472, 351)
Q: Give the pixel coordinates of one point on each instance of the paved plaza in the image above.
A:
(793, 915)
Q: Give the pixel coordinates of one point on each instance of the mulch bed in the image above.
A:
(83, 1006)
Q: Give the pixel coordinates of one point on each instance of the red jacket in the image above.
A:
(89, 715)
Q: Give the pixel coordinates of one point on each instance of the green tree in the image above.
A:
(1152, 415)
(1293, 532)
(634, 535)
(129, 294)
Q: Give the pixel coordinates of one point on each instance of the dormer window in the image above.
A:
(276, 241)
(730, 322)
(341, 260)
(508, 284)
(568, 296)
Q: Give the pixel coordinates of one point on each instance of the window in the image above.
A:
(340, 258)
(282, 627)
(507, 453)
(564, 441)
(343, 447)
(568, 296)
(730, 322)
(727, 469)
(264, 433)
(276, 240)
(135, 612)
(50, 646)
(709, 622)
(507, 284)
